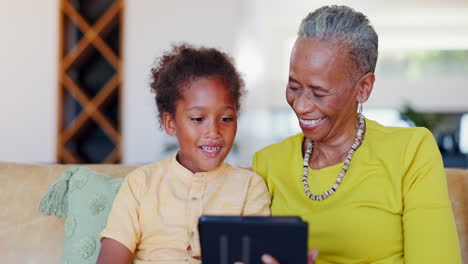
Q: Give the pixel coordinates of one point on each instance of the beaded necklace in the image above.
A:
(344, 168)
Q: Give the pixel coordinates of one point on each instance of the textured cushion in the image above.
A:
(84, 198)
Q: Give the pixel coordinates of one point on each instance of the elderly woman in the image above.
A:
(370, 193)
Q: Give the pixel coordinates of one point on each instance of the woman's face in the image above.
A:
(321, 91)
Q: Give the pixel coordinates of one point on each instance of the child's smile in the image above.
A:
(205, 124)
(211, 151)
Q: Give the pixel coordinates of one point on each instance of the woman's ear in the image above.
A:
(365, 87)
(169, 124)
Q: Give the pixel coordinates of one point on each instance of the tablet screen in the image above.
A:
(229, 239)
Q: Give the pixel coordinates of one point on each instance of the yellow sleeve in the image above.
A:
(123, 224)
(430, 234)
(260, 167)
(255, 165)
(257, 201)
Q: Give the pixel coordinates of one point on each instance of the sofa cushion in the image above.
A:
(84, 198)
(457, 180)
(26, 236)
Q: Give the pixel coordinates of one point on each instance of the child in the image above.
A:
(155, 214)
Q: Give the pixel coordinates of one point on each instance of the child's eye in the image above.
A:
(197, 119)
(227, 119)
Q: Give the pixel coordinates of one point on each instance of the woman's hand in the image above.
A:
(311, 256)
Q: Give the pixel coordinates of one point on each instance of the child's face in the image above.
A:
(205, 124)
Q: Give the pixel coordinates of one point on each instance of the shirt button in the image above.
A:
(192, 234)
(194, 198)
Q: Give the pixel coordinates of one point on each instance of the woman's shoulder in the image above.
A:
(284, 146)
(277, 155)
(399, 144)
(381, 133)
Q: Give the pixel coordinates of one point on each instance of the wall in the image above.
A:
(260, 36)
(258, 33)
(150, 29)
(28, 80)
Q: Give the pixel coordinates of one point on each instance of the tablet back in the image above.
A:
(227, 239)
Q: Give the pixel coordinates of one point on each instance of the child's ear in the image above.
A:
(169, 124)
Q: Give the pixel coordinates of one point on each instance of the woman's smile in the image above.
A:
(310, 124)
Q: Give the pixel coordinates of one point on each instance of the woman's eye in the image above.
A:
(197, 119)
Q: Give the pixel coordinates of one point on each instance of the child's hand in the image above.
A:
(311, 256)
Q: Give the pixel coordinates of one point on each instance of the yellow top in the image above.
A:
(155, 214)
(392, 206)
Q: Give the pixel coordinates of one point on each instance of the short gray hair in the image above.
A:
(343, 25)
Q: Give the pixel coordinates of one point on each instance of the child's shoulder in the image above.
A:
(147, 172)
(236, 169)
(241, 172)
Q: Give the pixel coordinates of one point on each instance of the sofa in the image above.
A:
(28, 237)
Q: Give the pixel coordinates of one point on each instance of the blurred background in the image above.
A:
(67, 96)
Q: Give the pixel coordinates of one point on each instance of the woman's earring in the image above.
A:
(360, 106)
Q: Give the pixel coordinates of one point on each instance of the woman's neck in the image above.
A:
(333, 150)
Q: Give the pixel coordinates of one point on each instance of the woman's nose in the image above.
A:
(303, 104)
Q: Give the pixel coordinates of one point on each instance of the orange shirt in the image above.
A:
(155, 214)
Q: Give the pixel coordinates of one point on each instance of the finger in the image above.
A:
(267, 259)
(312, 256)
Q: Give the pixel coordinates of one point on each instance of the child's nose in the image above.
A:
(213, 129)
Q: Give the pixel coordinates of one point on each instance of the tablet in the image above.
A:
(228, 239)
